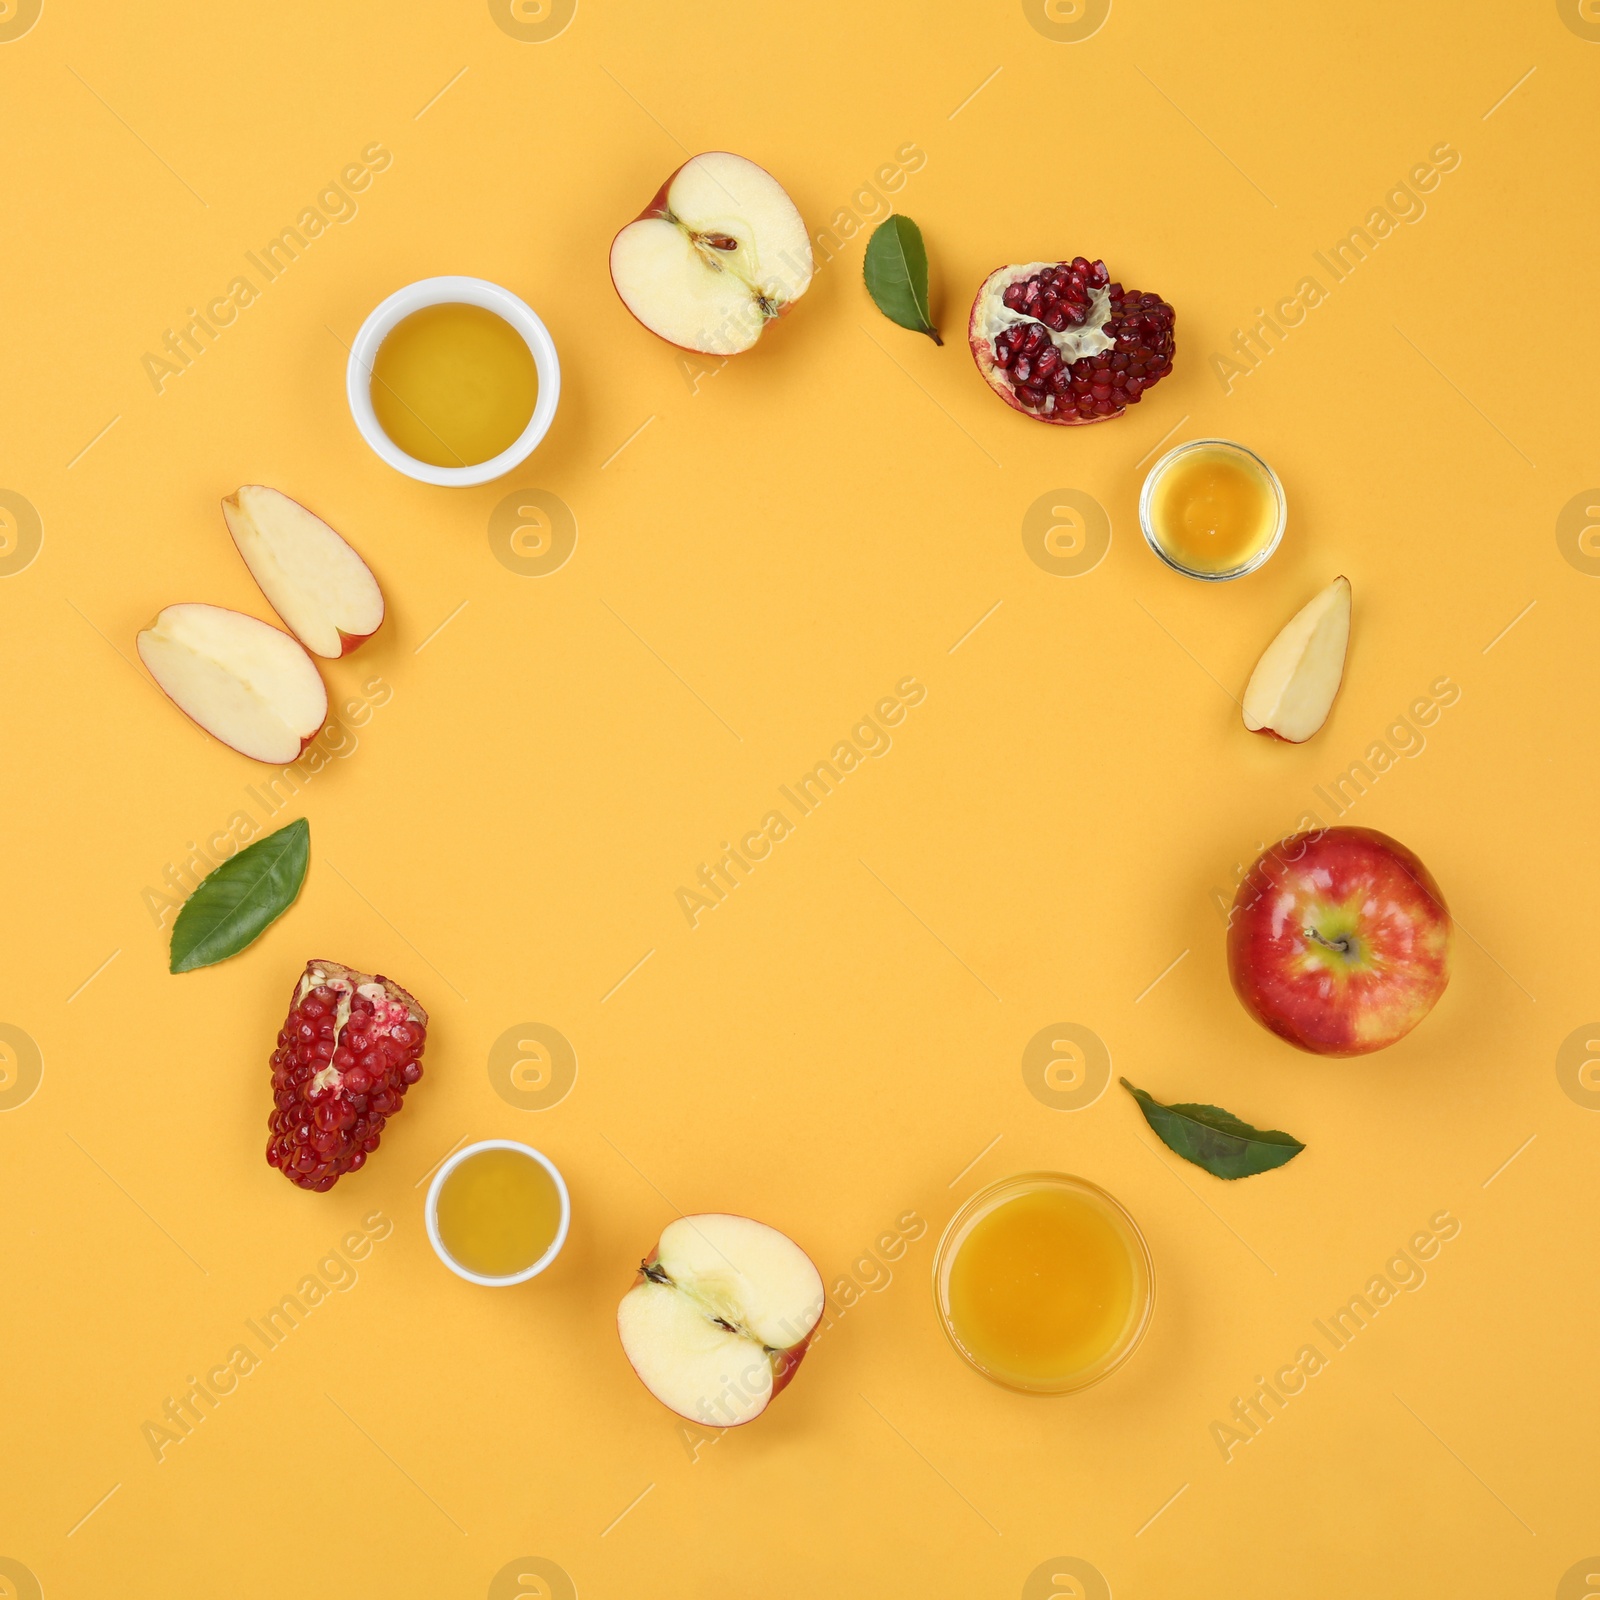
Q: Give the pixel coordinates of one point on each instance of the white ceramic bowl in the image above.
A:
(431, 1213)
(452, 291)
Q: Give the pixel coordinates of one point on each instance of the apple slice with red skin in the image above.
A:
(312, 577)
(1292, 689)
(719, 253)
(720, 1317)
(1339, 941)
(245, 682)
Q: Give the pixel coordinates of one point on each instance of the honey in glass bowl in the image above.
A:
(1044, 1283)
(1212, 509)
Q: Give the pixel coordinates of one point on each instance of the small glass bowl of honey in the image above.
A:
(1044, 1283)
(1212, 510)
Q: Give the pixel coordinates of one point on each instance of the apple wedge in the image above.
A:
(313, 579)
(243, 681)
(720, 1317)
(1292, 689)
(716, 255)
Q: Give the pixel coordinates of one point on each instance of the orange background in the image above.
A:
(840, 1042)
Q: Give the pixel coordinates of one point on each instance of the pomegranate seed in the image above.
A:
(1031, 372)
(324, 1124)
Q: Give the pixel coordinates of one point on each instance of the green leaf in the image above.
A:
(896, 269)
(1215, 1139)
(236, 904)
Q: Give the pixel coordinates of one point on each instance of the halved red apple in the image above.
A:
(720, 1317)
(313, 578)
(717, 254)
(245, 682)
(1292, 689)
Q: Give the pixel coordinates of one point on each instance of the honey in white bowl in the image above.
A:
(454, 385)
(498, 1211)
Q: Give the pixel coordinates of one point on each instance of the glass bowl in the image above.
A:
(1141, 1307)
(1255, 464)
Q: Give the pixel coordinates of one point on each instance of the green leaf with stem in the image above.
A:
(896, 270)
(1215, 1139)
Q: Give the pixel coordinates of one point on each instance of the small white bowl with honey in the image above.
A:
(1212, 510)
(453, 381)
(497, 1213)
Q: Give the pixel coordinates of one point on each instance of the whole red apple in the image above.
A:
(1339, 941)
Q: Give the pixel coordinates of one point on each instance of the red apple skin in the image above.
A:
(785, 1363)
(658, 208)
(1346, 883)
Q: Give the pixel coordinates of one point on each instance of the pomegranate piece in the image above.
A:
(1059, 341)
(349, 1049)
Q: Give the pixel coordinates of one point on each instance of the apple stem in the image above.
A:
(1343, 946)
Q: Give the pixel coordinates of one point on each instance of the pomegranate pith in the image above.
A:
(1058, 340)
(347, 1052)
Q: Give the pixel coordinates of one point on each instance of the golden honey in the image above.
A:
(498, 1211)
(1044, 1283)
(1212, 509)
(453, 385)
